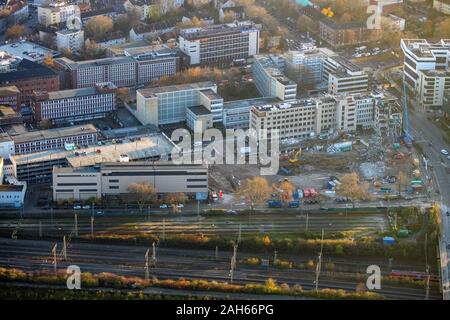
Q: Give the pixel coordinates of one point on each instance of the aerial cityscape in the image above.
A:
(224, 150)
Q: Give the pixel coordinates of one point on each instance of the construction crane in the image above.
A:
(296, 157)
(405, 110)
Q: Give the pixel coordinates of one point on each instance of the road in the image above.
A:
(33, 255)
(425, 132)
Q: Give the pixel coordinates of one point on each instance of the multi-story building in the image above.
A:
(270, 80)
(220, 43)
(306, 66)
(137, 66)
(75, 104)
(37, 167)
(306, 118)
(344, 76)
(442, 6)
(420, 55)
(113, 179)
(426, 70)
(71, 39)
(36, 141)
(29, 77)
(57, 12)
(165, 105)
(432, 86)
(335, 33)
(236, 114)
(365, 110)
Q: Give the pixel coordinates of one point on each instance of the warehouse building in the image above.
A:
(115, 178)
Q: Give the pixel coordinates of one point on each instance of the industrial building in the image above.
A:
(109, 179)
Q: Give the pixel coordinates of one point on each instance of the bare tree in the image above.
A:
(142, 193)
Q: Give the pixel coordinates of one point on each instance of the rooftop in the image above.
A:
(287, 105)
(211, 94)
(272, 69)
(73, 65)
(28, 50)
(216, 30)
(146, 147)
(152, 92)
(25, 70)
(424, 49)
(199, 110)
(247, 103)
(54, 133)
(11, 187)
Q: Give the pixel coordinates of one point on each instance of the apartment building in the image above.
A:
(217, 44)
(113, 179)
(165, 105)
(71, 39)
(57, 12)
(270, 80)
(9, 96)
(74, 105)
(137, 66)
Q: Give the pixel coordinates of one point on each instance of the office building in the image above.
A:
(165, 105)
(37, 167)
(137, 66)
(344, 77)
(58, 138)
(426, 70)
(305, 66)
(302, 119)
(270, 80)
(220, 43)
(74, 105)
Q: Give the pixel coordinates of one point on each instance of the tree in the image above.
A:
(352, 188)
(45, 124)
(266, 240)
(98, 26)
(155, 13)
(255, 190)
(142, 193)
(15, 31)
(48, 61)
(285, 190)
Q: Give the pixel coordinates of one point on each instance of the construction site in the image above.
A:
(390, 167)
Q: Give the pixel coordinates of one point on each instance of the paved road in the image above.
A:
(424, 132)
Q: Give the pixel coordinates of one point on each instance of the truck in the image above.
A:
(275, 204)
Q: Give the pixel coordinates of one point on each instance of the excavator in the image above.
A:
(295, 156)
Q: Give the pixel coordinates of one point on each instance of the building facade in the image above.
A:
(57, 12)
(165, 105)
(75, 104)
(219, 43)
(270, 80)
(115, 178)
(70, 39)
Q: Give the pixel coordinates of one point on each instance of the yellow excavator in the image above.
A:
(327, 12)
(295, 156)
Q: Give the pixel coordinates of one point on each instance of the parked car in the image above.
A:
(77, 207)
(180, 206)
(86, 206)
(231, 211)
(444, 152)
(163, 206)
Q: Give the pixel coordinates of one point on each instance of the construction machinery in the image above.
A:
(295, 156)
